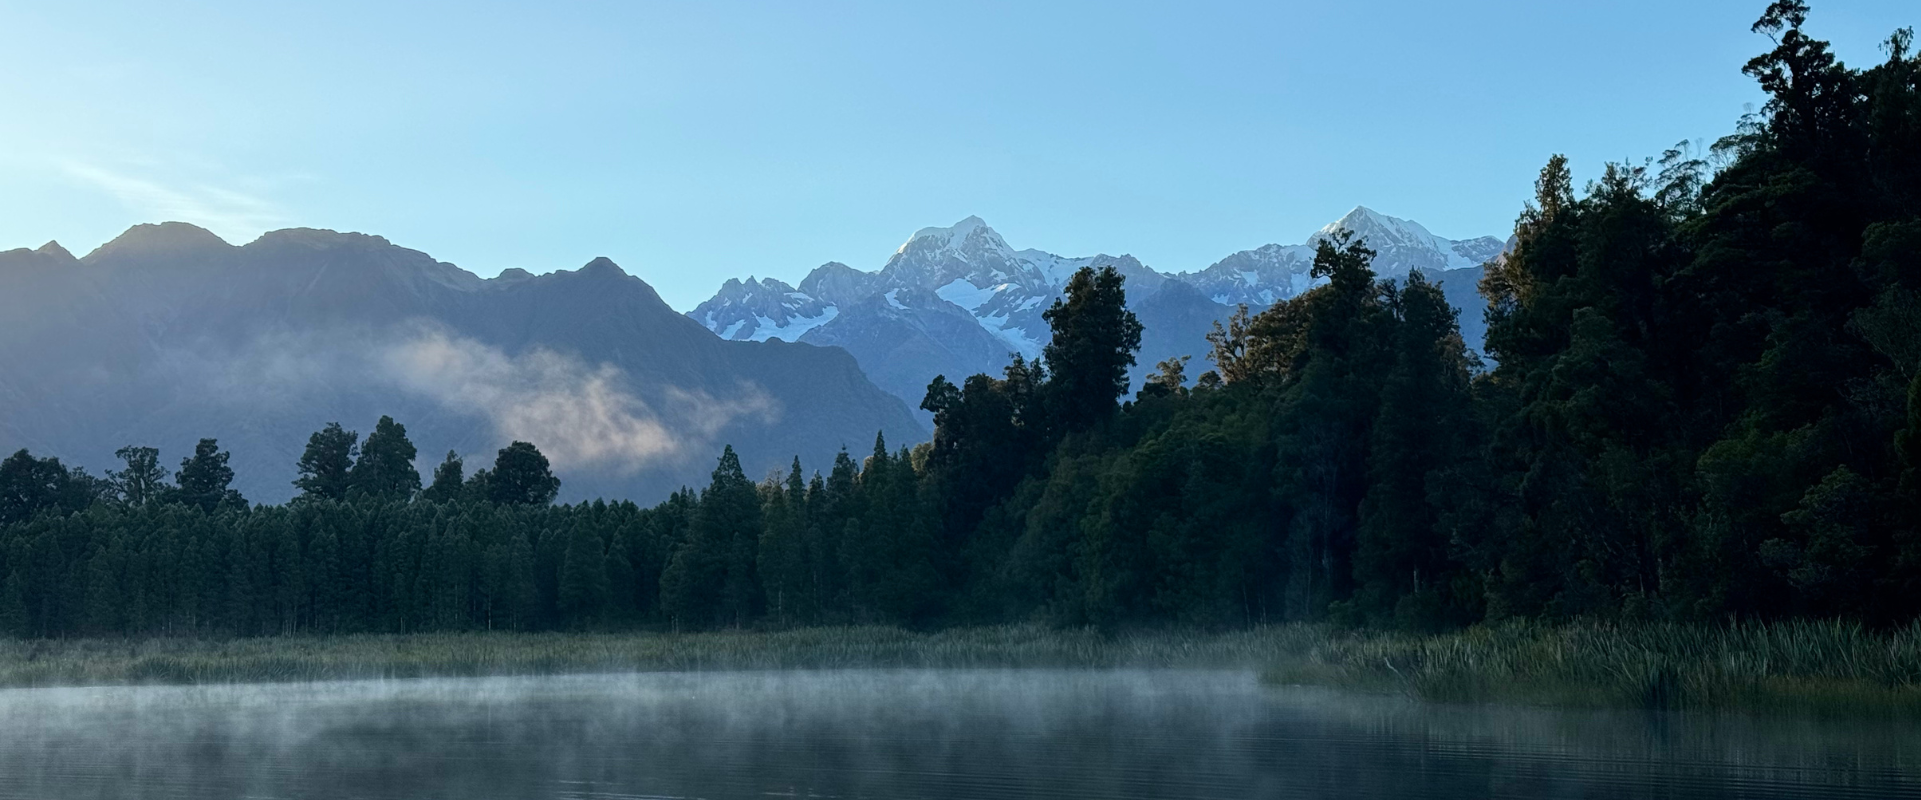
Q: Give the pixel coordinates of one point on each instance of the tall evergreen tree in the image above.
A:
(386, 465)
(1328, 398)
(205, 480)
(1094, 341)
(1403, 568)
(449, 479)
(583, 588)
(783, 559)
(710, 581)
(326, 466)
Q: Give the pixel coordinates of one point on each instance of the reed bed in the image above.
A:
(262, 660)
(1821, 668)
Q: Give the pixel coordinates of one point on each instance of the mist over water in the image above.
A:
(928, 733)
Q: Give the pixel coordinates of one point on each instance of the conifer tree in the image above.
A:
(709, 581)
(1402, 565)
(326, 466)
(205, 479)
(386, 465)
(782, 565)
(448, 480)
(583, 577)
(1094, 341)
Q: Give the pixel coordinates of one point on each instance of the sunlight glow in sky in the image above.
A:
(693, 142)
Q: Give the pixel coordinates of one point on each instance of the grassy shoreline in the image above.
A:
(80, 662)
(1803, 668)
(1819, 668)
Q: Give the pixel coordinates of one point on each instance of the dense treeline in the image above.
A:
(1702, 401)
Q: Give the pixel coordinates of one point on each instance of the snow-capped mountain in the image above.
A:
(958, 300)
(955, 301)
(755, 311)
(905, 336)
(967, 265)
(1401, 246)
(835, 283)
(1275, 272)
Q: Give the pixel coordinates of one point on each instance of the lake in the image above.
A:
(904, 734)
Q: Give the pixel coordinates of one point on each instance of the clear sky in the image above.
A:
(692, 142)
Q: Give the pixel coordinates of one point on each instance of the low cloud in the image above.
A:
(579, 415)
(582, 416)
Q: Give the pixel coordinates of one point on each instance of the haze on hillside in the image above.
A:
(168, 334)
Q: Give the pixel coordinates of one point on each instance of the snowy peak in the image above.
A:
(1380, 230)
(835, 283)
(966, 267)
(1402, 245)
(956, 236)
(1275, 272)
(758, 310)
(1053, 270)
(1480, 250)
(1258, 277)
(967, 249)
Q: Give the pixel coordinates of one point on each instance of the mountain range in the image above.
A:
(959, 300)
(167, 334)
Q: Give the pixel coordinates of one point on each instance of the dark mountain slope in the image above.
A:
(168, 334)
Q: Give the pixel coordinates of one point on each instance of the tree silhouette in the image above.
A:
(204, 479)
(143, 480)
(326, 466)
(521, 477)
(386, 465)
(1095, 338)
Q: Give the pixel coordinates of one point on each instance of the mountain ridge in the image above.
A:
(968, 265)
(165, 335)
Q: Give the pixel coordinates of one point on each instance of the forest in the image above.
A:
(1700, 401)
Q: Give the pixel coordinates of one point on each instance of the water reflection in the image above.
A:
(927, 734)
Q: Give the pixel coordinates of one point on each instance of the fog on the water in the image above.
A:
(928, 733)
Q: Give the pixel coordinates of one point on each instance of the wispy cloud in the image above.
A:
(579, 415)
(583, 416)
(234, 214)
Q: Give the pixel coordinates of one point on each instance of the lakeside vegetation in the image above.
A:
(1800, 667)
(161, 660)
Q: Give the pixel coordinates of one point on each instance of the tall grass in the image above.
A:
(1791, 667)
(1794, 667)
(107, 661)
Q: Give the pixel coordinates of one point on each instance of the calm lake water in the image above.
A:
(902, 734)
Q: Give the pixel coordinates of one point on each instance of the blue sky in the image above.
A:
(692, 142)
